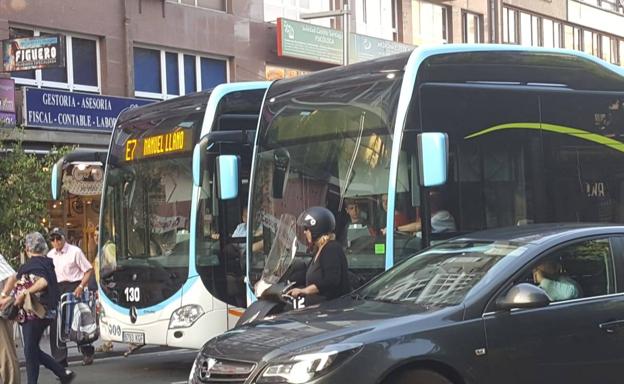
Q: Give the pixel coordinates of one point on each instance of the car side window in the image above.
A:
(579, 270)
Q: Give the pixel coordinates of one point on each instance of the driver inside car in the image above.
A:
(549, 276)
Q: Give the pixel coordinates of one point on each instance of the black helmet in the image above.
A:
(319, 220)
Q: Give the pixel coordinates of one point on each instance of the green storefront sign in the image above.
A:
(313, 42)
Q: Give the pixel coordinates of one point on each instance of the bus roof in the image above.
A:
(482, 63)
(207, 100)
(190, 101)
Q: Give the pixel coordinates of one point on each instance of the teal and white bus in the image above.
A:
(168, 274)
(434, 143)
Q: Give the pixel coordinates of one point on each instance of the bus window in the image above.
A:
(583, 138)
(495, 169)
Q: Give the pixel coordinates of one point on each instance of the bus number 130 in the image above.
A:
(133, 294)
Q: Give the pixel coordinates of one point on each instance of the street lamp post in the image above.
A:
(344, 12)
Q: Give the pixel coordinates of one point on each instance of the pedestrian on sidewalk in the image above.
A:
(73, 272)
(9, 365)
(36, 293)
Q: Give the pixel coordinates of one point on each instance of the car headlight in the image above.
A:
(194, 369)
(303, 368)
(185, 316)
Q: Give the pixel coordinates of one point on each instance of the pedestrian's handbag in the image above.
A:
(84, 329)
(10, 311)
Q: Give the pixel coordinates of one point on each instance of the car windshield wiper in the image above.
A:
(390, 301)
(357, 296)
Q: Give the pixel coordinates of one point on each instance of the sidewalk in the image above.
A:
(74, 355)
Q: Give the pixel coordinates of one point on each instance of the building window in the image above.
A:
(364, 12)
(190, 74)
(160, 74)
(81, 71)
(590, 43)
(609, 5)
(291, 9)
(529, 29)
(147, 70)
(621, 53)
(395, 20)
(430, 23)
(510, 32)
(218, 5)
(550, 34)
(471, 27)
(213, 72)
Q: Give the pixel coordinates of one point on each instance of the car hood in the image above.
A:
(338, 321)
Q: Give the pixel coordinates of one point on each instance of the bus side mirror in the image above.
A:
(57, 178)
(227, 176)
(199, 153)
(433, 158)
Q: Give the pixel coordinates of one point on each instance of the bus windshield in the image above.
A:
(146, 214)
(330, 148)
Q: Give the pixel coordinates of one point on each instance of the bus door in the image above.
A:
(222, 230)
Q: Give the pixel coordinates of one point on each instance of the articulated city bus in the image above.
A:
(159, 283)
(465, 137)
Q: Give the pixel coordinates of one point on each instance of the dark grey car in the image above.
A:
(465, 311)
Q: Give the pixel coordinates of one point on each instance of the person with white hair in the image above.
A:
(36, 293)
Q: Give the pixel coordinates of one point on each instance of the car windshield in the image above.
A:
(442, 275)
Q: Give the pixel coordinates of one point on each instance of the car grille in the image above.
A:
(212, 371)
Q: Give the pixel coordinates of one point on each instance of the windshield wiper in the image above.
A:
(389, 301)
(357, 296)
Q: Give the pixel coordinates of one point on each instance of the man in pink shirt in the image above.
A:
(73, 272)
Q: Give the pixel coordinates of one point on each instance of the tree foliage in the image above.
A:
(24, 193)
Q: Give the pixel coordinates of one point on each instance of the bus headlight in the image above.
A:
(304, 368)
(185, 316)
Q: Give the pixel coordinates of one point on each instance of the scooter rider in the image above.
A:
(327, 274)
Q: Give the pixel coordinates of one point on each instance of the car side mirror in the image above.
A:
(523, 295)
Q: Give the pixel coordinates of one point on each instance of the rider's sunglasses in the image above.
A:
(55, 238)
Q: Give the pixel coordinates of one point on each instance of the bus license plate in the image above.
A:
(133, 337)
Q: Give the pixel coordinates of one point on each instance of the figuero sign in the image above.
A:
(33, 53)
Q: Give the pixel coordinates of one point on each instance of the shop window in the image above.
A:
(158, 74)
(213, 72)
(190, 78)
(17, 33)
(173, 79)
(147, 70)
(84, 55)
(81, 68)
(56, 74)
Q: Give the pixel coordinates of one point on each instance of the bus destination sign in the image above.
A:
(158, 145)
